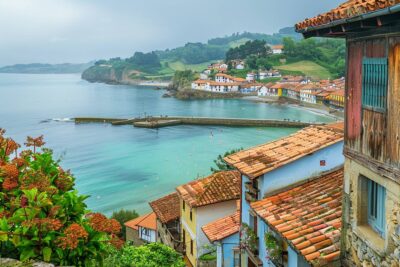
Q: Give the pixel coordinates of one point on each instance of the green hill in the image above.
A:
(306, 67)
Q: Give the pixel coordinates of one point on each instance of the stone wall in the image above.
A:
(361, 246)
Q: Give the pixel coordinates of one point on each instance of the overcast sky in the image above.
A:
(57, 31)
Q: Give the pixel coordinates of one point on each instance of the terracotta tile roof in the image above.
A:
(218, 187)
(222, 228)
(166, 208)
(201, 81)
(261, 159)
(349, 9)
(309, 217)
(340, 92)
(277, 47)
(146, 221)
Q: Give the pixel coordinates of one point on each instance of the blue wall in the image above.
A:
(227, 245)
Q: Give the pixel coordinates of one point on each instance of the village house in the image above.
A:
(251, 77)
(268, 74)
(293, 90)
(167, 214)
(142, 229)
(337, 98)
(277, 49)
(277, 165)
(219, 67)
(371, 209)
(201, 202)
(307, 234)
(295, 79)
(224, 234)
(265, 90)
(223, 83)
(309, 92)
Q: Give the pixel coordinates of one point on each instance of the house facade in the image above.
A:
(224, 234)
(279, 164)
(167, 211)
(142, 229)
(337, 99)
(201, 202)
(371, 209)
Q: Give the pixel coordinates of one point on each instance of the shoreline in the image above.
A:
(293, 104)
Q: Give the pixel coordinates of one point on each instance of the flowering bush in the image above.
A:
(42, 217)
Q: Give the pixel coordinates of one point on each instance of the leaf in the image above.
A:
(46, 254)
(26, 254)
(3, 236)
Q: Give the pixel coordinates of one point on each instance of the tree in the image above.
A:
(149, 255)
(220, 162)
(122, 216)
(182, 79)
(42, 216)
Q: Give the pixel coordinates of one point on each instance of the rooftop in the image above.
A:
(166, 208)
(146, 221)
(262, 159)
(349, 10)
(222, 228)
(218, 187)
(308, 217)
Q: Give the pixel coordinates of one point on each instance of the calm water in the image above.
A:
(125, 167)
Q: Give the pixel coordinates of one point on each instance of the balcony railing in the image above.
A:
(250, 197)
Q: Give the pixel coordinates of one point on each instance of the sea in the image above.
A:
(122, 166)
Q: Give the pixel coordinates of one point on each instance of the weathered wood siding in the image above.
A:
(373, 134)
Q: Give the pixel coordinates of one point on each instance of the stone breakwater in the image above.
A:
(156, 122)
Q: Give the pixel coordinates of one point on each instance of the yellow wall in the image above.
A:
(280, 92)
(192, 226)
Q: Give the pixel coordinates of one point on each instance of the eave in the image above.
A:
(358, 24)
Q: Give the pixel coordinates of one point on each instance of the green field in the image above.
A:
(309, 68)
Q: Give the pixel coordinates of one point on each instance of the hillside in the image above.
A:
(308, 68)
(191, 56)
(39, 68)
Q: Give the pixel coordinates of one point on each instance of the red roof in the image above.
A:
(146, 221)
(218, 187)
(222, 228)
(349, 9)
(262, 159)
(166, 208)
(309, 217)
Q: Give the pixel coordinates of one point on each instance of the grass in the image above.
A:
(179, 65)
(309, 68)
(237, 43)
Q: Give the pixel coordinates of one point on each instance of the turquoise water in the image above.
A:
(125, 167)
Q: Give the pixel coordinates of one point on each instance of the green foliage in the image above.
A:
(148, 62)
(325, 52)
(255, 48)
(270, 80)
(42, 216)
(149, 255)
(273, 247)
(249, 237)
(221, 164)
(182, 79)
(122, 216)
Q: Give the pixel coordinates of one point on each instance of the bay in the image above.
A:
(123, 166)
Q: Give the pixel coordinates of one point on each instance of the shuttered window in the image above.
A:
(376, 207)
(375, 83)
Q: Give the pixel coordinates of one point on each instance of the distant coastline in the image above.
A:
(43, 68)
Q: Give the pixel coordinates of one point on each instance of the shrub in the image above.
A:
(42, 216)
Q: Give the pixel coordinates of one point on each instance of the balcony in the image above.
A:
(250, 197)
(250, 188)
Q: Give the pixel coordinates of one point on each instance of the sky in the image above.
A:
(77, 31)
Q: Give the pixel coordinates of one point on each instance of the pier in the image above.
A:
(164, 121)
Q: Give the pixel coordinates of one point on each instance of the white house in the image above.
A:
(277, 165)
(251, 77)
(277, 49)
(142, 229)
(309, 92)
(239, 66)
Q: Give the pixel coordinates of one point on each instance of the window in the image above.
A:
(191, 247)
(376, 207)
(191, 215)
(236, 257)
(374, 83)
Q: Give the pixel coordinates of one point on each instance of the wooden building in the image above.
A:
(371, 209)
